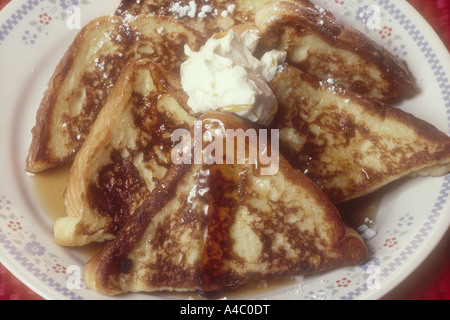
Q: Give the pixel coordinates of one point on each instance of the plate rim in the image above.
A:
(436, 45)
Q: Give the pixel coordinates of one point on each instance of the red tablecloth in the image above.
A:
(431, 281)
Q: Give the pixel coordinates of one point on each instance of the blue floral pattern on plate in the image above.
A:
(397, 242)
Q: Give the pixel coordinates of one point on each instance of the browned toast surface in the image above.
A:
(317, 43)
(208, 227)
(89, 70)
(350, 145)
(207, 16)
(125, 155)
(59, 107)
(115, 99)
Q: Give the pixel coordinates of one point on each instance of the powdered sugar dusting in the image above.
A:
(193, 10)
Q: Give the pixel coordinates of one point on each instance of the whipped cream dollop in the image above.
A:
(225, 75)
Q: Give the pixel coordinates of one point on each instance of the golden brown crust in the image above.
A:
(127, 151)
(220, 18)
(348, 144)
(51, 117)
(89, 70)
(243, 229)
(105, 268)
(330, 49)
(38, 158)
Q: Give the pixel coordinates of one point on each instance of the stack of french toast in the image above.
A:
(116, 97)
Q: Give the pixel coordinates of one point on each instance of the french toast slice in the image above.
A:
(348, 144)
(87, 73)
(125, 154)
(207, 16)
(206, 227)
(317, 43)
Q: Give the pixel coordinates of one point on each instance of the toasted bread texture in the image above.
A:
(317, 43)
(209, 227)
(124, 156)
(348, 144)
(206, 16)
(87, 73)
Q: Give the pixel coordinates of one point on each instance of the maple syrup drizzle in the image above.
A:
(217, 224)
(49, 187)
(358, 211)
(219, 203)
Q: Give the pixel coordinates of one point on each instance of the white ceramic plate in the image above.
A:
(412, 217)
